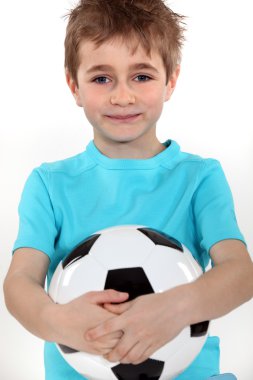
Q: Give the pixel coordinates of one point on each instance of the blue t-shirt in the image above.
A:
(181, 194)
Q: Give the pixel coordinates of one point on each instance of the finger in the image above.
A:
(109, 346)
(110, 326)
(117, 309)
(113, 337)
(105, 344)
(121, 349)
(107, 296)
(101, 350)
(138, 355)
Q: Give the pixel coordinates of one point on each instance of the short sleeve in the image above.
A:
(37, 228)
(213, 207)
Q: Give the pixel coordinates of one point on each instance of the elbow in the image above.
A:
(248, 281)
(6, 293)
(251, 280)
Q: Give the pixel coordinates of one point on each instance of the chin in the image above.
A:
(125, 139)
(121, 138)
(124, 134)
(128, 136)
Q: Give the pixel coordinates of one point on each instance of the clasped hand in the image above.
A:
(148, 322)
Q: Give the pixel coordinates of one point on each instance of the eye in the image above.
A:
(142, 78)
(101, 80)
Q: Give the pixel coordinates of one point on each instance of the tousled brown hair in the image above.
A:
(148, 22)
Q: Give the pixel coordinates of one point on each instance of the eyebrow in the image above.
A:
(135, 66)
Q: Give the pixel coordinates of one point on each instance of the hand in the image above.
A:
(148, 322)
(74, 318)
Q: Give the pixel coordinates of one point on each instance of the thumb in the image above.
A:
(117, 309)
(107, 296)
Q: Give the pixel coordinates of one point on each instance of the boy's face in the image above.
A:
(122, 94)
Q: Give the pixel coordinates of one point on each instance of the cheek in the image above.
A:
(153, 95)
(154, 101)
(95, 100)
(90, 103)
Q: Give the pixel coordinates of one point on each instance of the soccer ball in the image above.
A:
(137, 260)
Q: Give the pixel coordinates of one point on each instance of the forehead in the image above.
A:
(116, 52)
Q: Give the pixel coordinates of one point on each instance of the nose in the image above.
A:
(122, 96)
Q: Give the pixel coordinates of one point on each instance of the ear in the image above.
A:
(171, 85)
(73, 88)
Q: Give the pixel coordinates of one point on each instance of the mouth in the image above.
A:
(123, 118)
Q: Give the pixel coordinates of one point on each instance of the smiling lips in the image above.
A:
(123, 117)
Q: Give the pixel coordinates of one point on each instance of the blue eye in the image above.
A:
(142, 78)
(101, 80)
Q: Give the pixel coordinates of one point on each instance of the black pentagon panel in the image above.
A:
(149, 370)
(80, 251)
(199, 329)
(160, 238)
(66, 349)
(131, 280)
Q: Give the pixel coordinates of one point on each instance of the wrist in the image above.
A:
(185, 304)
(192, 307)
(51, 321)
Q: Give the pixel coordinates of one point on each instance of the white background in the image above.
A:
(210, 114)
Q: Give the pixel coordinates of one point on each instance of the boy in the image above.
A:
(122, 63)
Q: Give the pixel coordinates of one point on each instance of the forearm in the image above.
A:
(67, 323)
(215, 293)
(32, 310)
(219, 291)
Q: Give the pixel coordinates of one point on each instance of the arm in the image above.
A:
(226, 286)
(28, 302)
(217, 292)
